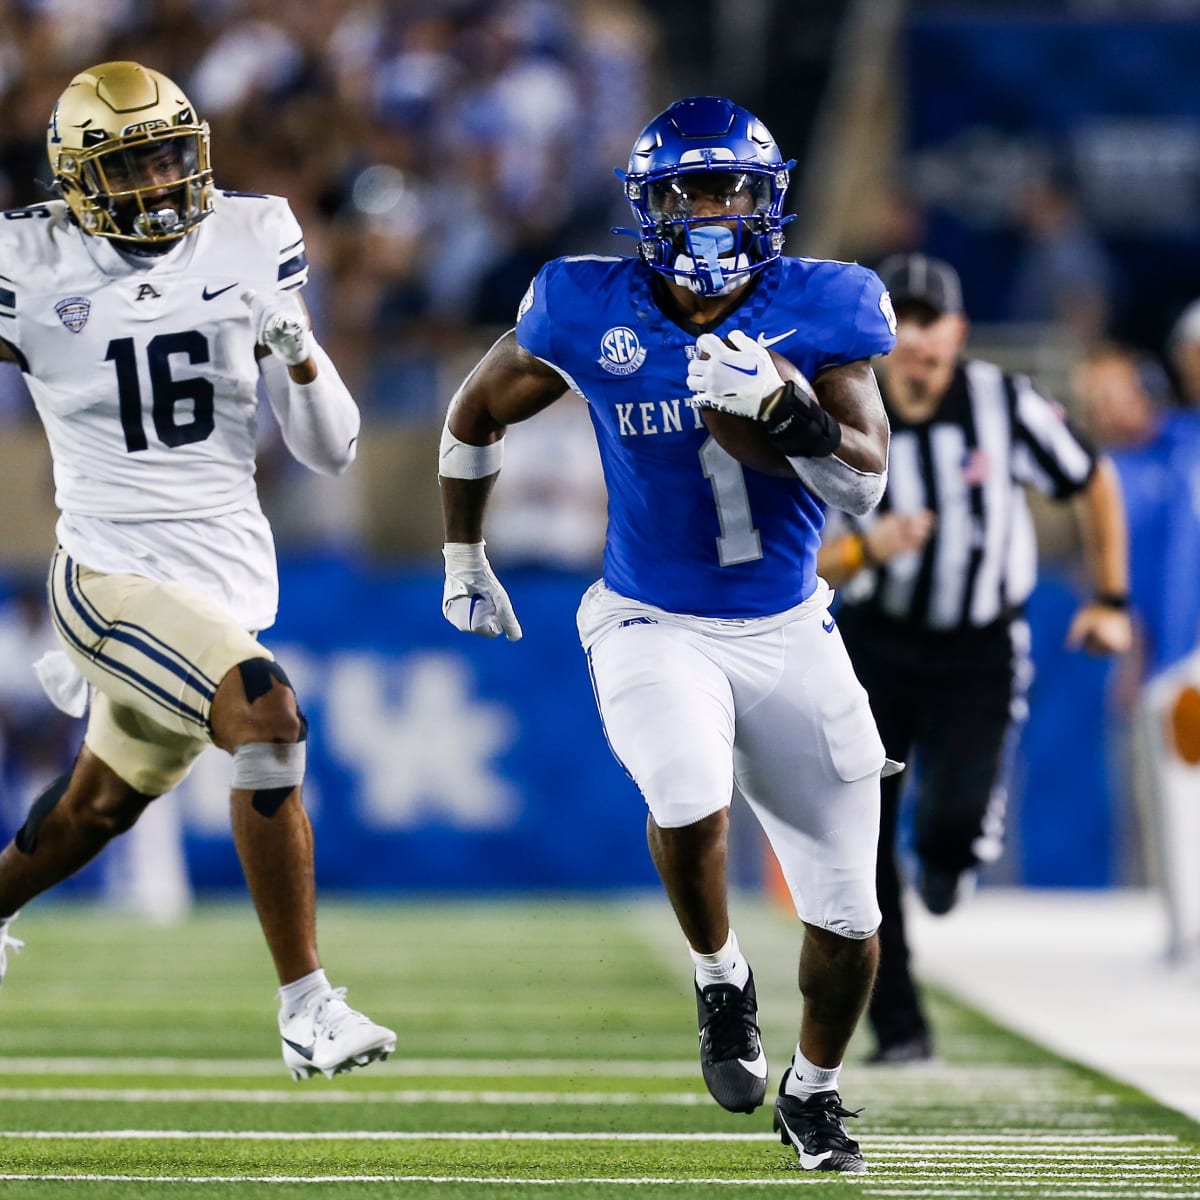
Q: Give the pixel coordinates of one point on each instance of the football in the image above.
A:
(747, 440)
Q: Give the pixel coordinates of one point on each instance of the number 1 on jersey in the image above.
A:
(739, 541)
(166, 391)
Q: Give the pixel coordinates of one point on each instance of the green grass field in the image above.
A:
(547, 1048)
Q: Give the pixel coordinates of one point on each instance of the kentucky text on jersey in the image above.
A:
(742, 544)
(648, 417)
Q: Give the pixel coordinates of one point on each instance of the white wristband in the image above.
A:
(461, 460)
(464, 556)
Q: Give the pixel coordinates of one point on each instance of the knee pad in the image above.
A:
(270, 770)
(26, 839)
(681, 792)
(675, 813)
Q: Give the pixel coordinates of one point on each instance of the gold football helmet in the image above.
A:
(129, 156)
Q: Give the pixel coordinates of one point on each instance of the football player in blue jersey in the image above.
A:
(714, 659)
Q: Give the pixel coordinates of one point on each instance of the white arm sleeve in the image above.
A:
(840, 485)
(319, 420)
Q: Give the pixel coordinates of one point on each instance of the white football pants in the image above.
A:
(693, 706)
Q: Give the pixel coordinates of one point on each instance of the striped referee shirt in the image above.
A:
(992, 435)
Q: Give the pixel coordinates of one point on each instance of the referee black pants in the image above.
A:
(943, 703)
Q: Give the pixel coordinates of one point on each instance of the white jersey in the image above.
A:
(143, 372)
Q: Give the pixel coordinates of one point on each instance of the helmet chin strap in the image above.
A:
(704, 273)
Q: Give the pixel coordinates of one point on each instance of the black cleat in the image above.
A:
(731, 1053)
(915, 1049)
(815, 1128)
(940, 891)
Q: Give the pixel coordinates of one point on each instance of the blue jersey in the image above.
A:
(690, 529)
(1160, 485)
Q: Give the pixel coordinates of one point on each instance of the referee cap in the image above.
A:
(919, 279)
(1186, 328)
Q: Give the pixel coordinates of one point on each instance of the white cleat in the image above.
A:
(7, 943)
(325, 1036)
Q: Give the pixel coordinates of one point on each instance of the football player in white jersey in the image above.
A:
(143, 306)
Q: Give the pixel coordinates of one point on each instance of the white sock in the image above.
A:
(725, 966)
(292, 995)
(805, 1080)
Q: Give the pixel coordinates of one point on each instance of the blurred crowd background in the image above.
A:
(437, 152)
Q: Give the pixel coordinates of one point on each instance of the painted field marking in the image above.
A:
(1034, 1191)
(634, 1068)
(332, 1096)
(1049, 1081)
(793, 1179)
(1110, 1146)
(934, 1176)
(398, 1096)
(1001, 1137)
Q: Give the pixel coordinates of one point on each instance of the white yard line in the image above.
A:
(319, 1094)
(1032, 1143)
(372, 1135)
(322, 1095)
(1049, 1080)
(1043, 1178)
(1033, 1188)
(1105, 1146)
(1033, 1191)
(1017, 1137)
(638, 1069)
(649, 1181)
(1089, 1158)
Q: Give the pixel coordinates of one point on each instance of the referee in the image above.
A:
(933, 583)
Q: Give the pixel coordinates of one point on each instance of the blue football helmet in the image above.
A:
(707, 153)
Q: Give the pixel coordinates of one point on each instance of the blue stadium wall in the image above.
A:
(444, 763)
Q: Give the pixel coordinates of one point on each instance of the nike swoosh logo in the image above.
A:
(810, 1162)
(767, 342)
(207, 295)
(742, 370)
(828, 625)
(303, 1051)
(758, 1066)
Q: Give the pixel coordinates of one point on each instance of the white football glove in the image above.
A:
(734, 380)
(473, 599)
(279, 325)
